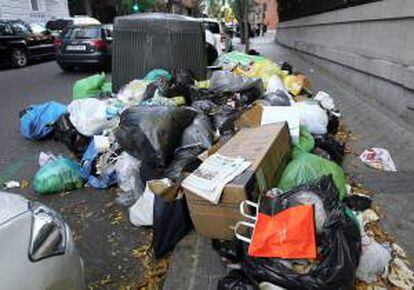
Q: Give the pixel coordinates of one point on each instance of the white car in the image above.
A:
(223, 42)
(36, 248)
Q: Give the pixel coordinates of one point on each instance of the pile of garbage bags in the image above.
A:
(145, 138)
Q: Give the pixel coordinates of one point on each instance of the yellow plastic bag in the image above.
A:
(296, 83)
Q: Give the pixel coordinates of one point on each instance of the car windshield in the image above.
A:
(83, 33)
(58, 24)
(37, 28)
(212, 26)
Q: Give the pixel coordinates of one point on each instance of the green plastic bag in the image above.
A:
(306, 167)
(58, 175)
(107, 87)
(306, 140)
(153, 75)
(237, 57)
(90, 87)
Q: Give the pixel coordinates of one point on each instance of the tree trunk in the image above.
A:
(88, 7)
(246, 26)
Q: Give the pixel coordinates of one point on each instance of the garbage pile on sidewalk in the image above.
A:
(250, 158)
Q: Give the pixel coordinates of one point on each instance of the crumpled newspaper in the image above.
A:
(378, 158)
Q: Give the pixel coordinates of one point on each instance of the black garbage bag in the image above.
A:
(179, 85)
(230, 250)
(339, 243)
(150, 91)
(199, 133)
(235, 280)
(228, 82)
(205, 106)
(287, 67)
(330, 145)
(224, 119)
(65, 132)
(278, 98)
(151, 134)
(358, 202)
(171, 223)
(185, 160)
(333, 122)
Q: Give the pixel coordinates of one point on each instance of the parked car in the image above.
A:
(37, 249)
(81, 46)
(21, 42)
(223, 40)
(57, 26)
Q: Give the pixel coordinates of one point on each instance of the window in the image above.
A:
(5, 29)
(83, 33)
(35, 5)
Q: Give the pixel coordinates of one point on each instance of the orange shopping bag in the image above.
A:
(289, 234)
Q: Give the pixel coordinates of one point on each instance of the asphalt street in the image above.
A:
(101, 228)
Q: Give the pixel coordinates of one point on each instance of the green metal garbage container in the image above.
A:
(147, 41)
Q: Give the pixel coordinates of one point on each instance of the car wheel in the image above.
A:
(68, 68)
(19, 57)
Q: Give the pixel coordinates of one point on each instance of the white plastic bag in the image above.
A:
(275, 114)
(312, 116)
(128, 176)
(132, 93)
(378, 158)
(45, 157)
(275, 84)
(374, 259)
(142, 212)
(89, 116)
(325, 100)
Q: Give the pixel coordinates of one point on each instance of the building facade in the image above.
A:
(33, 10)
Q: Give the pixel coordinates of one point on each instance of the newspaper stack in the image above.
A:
(209, 180)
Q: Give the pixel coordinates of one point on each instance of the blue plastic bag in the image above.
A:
(105, 180)
(37, 120)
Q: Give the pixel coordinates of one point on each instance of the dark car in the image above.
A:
(19, 42)
(85, 46)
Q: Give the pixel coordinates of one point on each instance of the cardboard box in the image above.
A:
(267, 148)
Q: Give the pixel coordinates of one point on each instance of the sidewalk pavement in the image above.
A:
(195, 265)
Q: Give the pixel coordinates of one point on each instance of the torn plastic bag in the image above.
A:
(378, 158)
(90, 87)
(205, 106)
(235, 280)
(171, 223)
(277, 98)
(97, 166)
(375, 260)
(89, 116)
(199, 133)
(228, 82)
(128, 177)
(66, 133)
(151, 134)
(340, 247)
(153, 75)
(142, 212)
(334, 148)
(312, 116)
(59, 175)
(306, 167)
(185, 160)
(288, 233)
(36, 122)
(224, 119)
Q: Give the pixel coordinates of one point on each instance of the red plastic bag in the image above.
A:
(289, 234)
